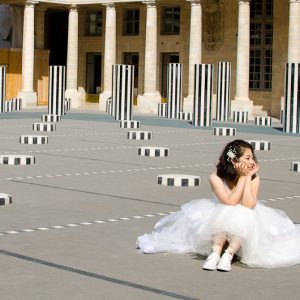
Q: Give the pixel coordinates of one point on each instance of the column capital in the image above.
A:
(109, 5)
(31, 2)
(73, 7)
(150, 3)
(244, 2)
(195, 2)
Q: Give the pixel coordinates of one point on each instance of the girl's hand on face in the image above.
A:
(241, 169)
(253, 170)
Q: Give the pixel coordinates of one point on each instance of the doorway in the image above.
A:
(93, 74)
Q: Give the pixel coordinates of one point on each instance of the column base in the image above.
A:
(148, 103)
(29, 99)
(102, 100)
(243, 105)
(74, 95)
(188, 104)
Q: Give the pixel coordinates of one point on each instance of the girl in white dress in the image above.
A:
(260, 236)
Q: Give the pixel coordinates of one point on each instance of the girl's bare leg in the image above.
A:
(218, 242)
(234, 245)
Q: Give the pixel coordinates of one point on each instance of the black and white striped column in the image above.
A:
(292, 98)
(2, 87)
(57, 83)
(162, 109)
(174, 90)
(203, 82)
(223, 91)
(122, 91)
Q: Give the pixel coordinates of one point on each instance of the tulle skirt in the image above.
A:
(268, 237)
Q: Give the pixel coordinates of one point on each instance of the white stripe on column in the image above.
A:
(2, 87)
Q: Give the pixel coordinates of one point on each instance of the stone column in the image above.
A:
(109, 53)
(195, 50)
(294, 37)
(72, 59)
(241, 101)
(27, 93)
(148, 102)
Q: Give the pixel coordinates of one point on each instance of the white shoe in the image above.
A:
(225, 262)
(211, 262)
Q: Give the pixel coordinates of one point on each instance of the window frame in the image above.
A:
(173, 24)
(134, 21)
(88, 23)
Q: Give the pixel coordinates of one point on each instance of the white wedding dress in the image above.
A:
(268, 237)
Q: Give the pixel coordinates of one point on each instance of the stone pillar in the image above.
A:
(109, 53)
(72, 59)
(294, 37)
(241, 101)
(195, 50)
(27, 93)
(148, 102)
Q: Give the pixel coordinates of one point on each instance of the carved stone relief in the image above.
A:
(213, 24)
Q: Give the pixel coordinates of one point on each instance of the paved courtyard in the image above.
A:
(70, 232)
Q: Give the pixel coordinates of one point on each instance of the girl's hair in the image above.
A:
(232, 151)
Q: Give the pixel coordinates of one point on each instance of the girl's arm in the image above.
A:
(249, 198)
(232, 197)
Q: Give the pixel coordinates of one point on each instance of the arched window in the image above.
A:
(261, 41)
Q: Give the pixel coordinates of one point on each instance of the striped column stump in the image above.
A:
(108, 106)
(153, 151)
(8, 106)
(260, 145)
(180, 180)
(33, 139)
(129, 124)
(224, 131)
(240, 116)
(174, 90)
(2, 87)
(12, 159)
(56, 94)
(292, 98)
(188, 116)
(44, 127)
(139, 135)
(295, 166)
(67, 104)
(162, 109)
(223, 91)
(5, 199)
(17, 104)
(122, 91)
(263, 120)
(51, 118)
(203, 83)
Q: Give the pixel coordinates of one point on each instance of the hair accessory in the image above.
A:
(232, 154)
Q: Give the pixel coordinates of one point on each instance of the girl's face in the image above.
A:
(248, 158)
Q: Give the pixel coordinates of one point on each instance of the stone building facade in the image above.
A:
(258, 37)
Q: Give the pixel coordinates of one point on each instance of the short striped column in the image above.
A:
(224, 131)
(122, 91)
(203, 83)
(44, 126)
(153, 151)
(263, 121)
(260, 145)
(8, 106)
(5, 199)
(162, 110)
(17, 159)
(33, 139)
(174, 90)
(17, 104)
(292, 98)
(240, 116)
(2, 87)
(180, 180)
(188, 116)
(67, 104)
(56, 98)
(139, 135)
(108, 106)
(295, 166)
(223, 91)
(129, 124)
(51, 118)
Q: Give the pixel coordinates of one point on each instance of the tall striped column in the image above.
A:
(57, 83)
(2, 87)
(203, 82)
(122, 91)
(174, 90)
(292, 98)
(223, 91)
